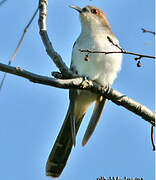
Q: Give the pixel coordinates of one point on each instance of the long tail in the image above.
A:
(66, 138)
(62, 147)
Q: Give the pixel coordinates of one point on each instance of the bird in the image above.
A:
(98, 67)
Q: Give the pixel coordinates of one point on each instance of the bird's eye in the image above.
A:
(94, 11)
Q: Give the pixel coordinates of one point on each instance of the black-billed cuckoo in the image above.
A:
(101, 68)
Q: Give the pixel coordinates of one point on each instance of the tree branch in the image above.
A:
(1, 2)
(111, 52)
(84, 84)
(123, 51)
(152, 138)
(48, 45)
(147, 31)
(18, 45)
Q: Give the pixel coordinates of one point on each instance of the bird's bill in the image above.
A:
(76, 8)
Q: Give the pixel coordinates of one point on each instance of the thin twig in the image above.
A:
(144, 31)
(127, 52)
(18, 46)
(1, 2)
(81, 83)
(111, 52)
(152, 138)
(121, 51)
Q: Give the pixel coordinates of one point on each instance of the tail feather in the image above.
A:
(98, 108)
(73, 122)
(62, 147)
(79, 103)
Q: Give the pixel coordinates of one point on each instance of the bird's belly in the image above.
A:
(99, 67)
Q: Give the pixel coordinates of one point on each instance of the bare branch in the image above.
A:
(111, 52)
(22, 37)
(81, 83)
(144, 31)
(48, 45)
(18, 46)
(121, 51)
(1, 2)
(152, 138)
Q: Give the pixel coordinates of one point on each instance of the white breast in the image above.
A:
(100, 67)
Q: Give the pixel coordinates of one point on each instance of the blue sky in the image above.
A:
(32, 114)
